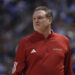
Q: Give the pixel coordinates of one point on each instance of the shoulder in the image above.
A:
(62, 37)
(26, 39)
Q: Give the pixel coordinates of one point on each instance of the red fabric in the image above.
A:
(39, 56)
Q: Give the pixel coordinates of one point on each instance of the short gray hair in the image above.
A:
(44, 8)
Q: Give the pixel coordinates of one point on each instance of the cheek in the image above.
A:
(42, 21)
(34, 24)
(45, 23)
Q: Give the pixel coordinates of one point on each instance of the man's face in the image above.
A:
(40, 21)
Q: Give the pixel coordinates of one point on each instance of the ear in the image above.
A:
(50, 20)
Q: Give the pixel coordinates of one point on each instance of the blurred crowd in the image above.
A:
(16, 22)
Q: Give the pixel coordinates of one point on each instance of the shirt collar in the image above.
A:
(41, 36)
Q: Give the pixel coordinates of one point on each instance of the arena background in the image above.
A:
(16, 22)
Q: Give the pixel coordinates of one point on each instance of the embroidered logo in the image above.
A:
(57, 49)
(33, 51)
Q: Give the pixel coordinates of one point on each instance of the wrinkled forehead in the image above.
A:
(39, 13)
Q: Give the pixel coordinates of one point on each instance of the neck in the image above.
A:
(46, 32)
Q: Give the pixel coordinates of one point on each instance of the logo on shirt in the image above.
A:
(33, 51)
(57, 49)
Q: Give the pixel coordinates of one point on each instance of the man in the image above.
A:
(44, 52)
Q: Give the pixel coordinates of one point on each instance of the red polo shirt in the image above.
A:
(39, 56)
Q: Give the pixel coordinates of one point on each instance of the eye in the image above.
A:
(40, 17)
(34, 18)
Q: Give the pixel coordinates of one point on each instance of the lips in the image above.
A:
(37, 25)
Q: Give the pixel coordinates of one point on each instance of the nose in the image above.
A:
(36, 20)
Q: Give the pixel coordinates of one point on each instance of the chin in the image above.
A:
(36, 29)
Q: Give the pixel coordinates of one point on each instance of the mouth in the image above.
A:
(37, 25)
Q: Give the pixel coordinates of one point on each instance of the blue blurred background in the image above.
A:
(16, 22)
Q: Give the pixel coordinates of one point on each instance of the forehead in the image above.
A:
(39, 13)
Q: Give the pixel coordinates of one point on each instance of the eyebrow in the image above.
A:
(39, 15)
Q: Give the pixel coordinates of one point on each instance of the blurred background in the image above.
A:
(16, 22)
